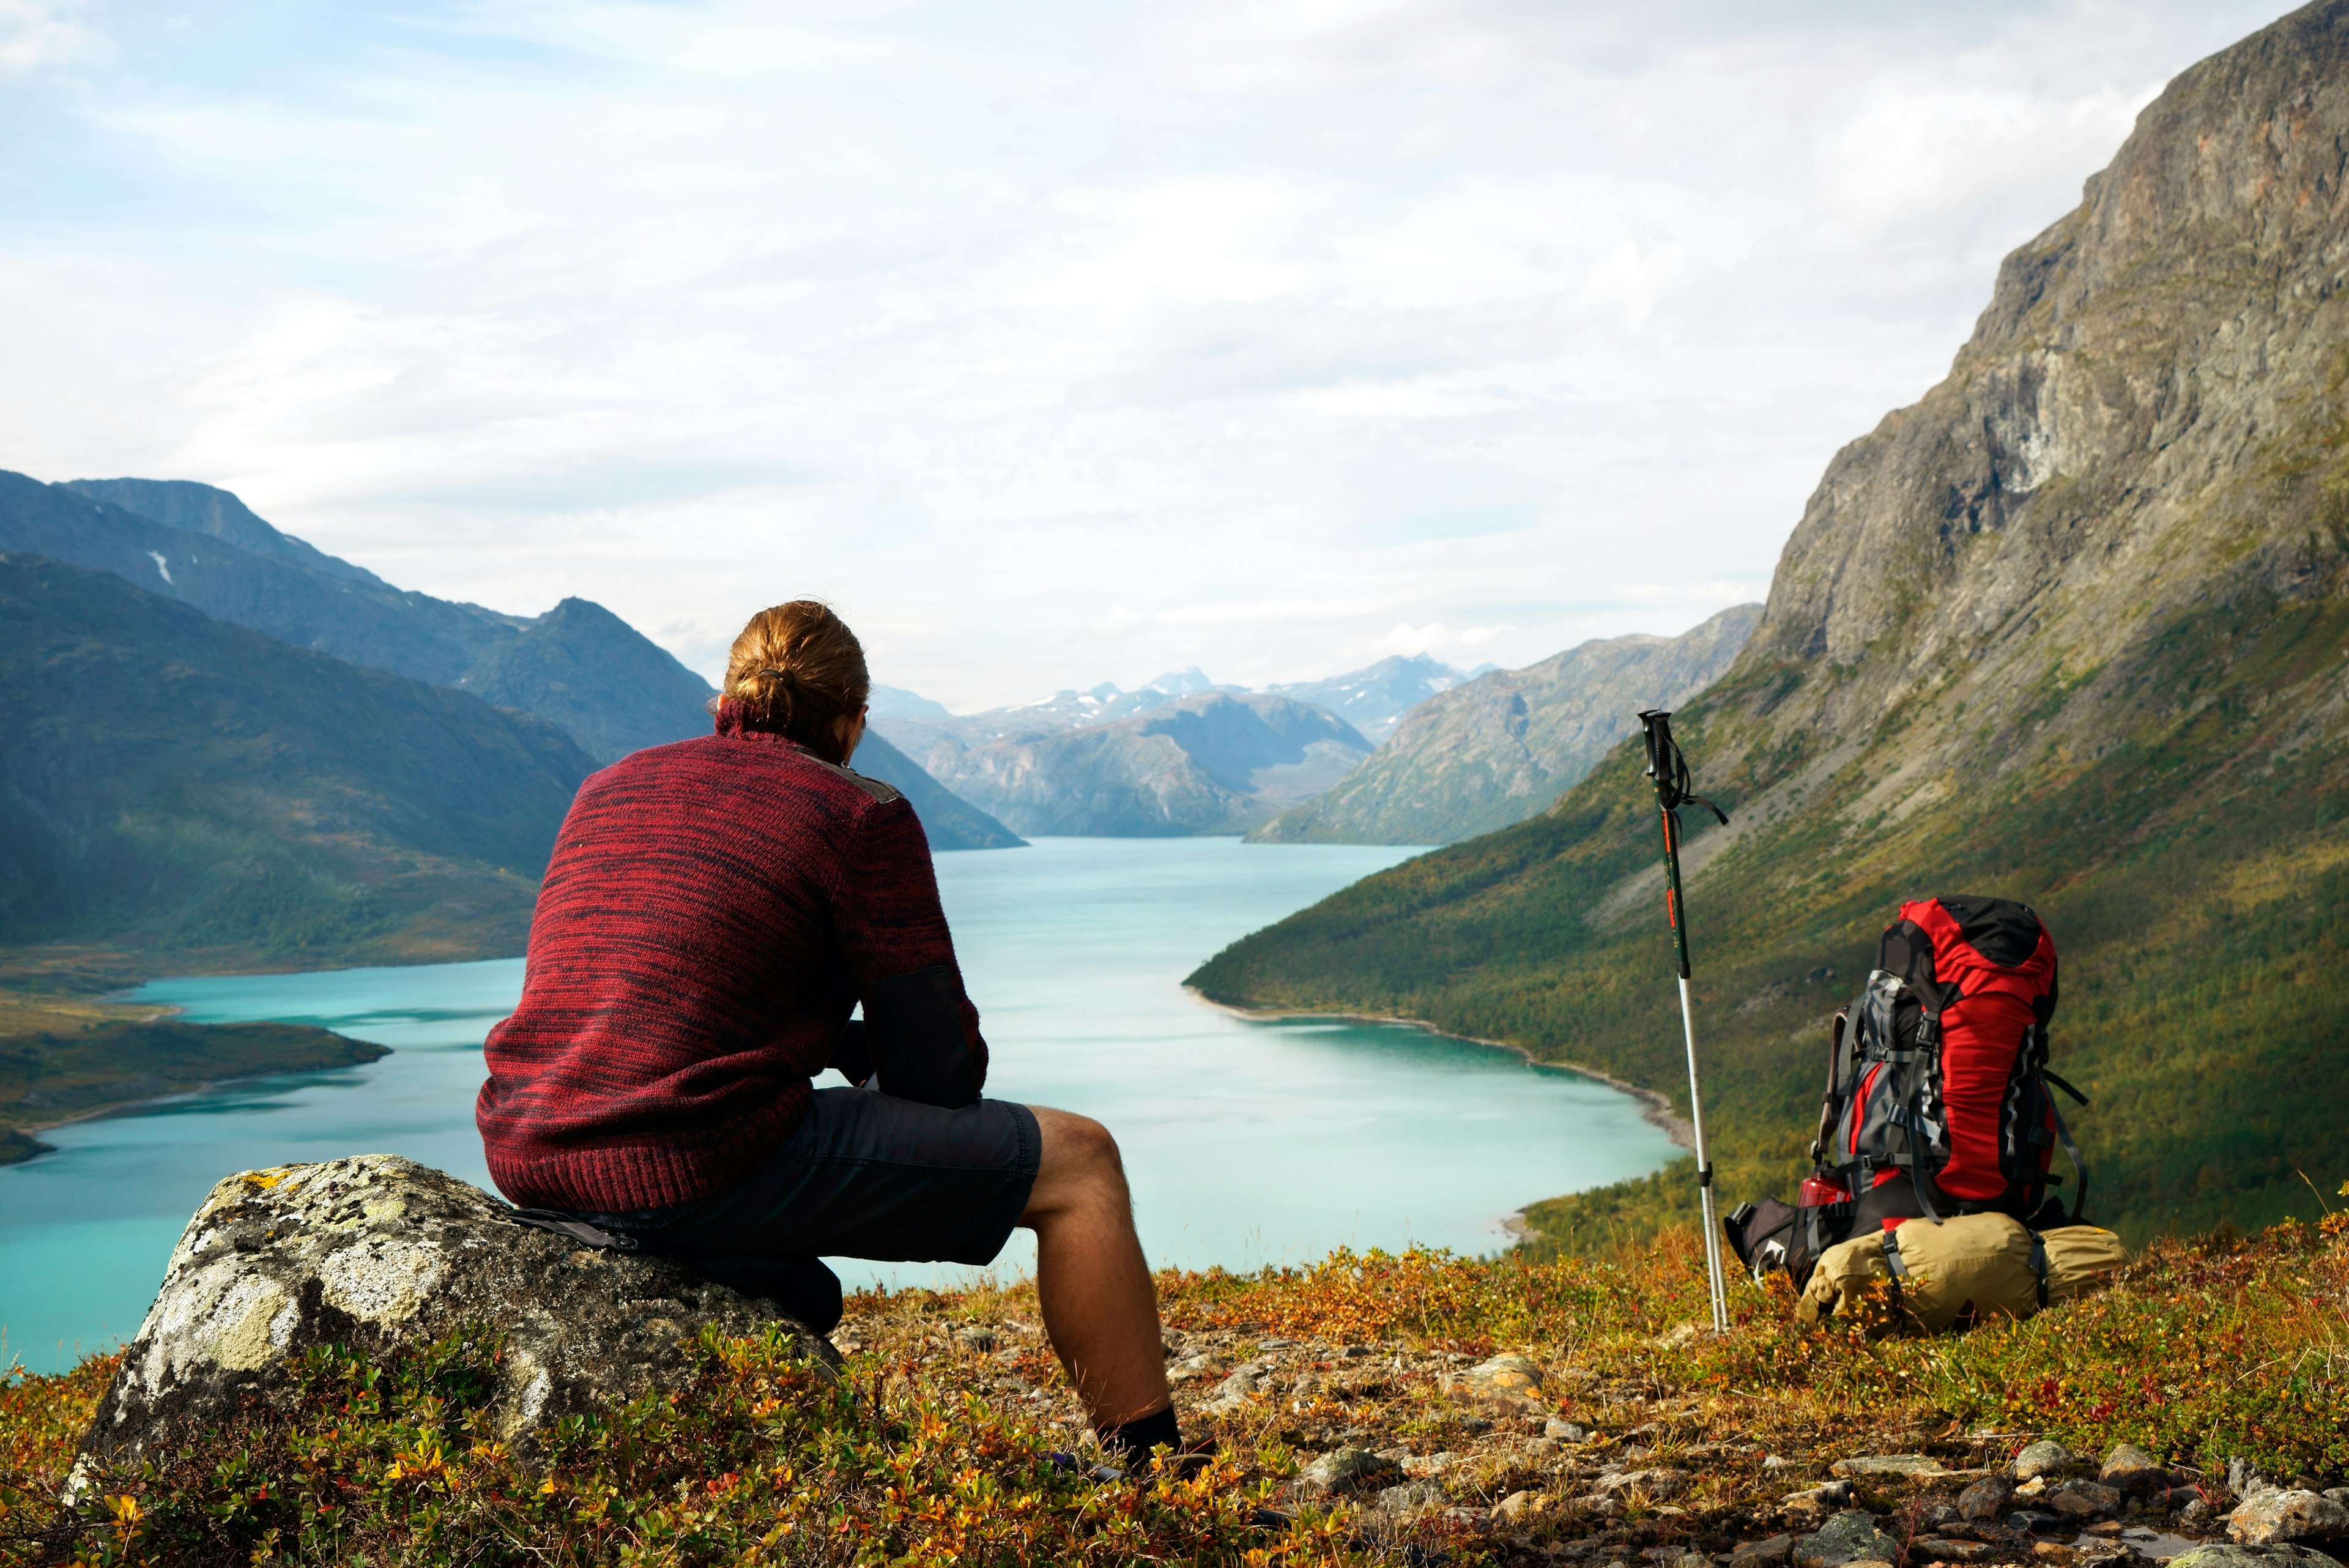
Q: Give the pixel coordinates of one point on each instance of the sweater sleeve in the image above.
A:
(920, 1028)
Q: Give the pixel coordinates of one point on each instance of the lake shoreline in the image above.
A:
(1654, 1108)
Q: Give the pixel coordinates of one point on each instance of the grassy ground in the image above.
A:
(933, 1448)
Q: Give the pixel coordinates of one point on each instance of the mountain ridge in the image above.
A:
(578, 666)
(1212, 762)
(1491, 752)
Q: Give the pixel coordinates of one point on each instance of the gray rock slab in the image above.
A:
(377, 1252)
(1246, 1382)
(1660, 1482)
(2081, 1498)
(1347, 1470)
(1763, 1554)
(2043, 1458)
(2134, 1472)
(1410, 1497)
(1512, 1380)
(1847, 1538)
(1886, 1465)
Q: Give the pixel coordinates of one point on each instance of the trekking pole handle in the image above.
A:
(1656, 727)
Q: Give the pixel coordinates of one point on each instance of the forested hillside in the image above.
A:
(169, 781)
(2069, 629)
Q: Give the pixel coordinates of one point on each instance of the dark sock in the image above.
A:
(1132, 1442)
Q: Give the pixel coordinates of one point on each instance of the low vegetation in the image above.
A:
(938, 1445)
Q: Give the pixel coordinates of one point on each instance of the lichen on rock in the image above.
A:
(377, 1253)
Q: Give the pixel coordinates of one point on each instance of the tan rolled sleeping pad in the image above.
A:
(1969, 1268)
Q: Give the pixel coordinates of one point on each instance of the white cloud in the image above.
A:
(38, 34)
(1042, 339)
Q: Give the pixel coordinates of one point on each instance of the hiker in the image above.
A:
(712, 912)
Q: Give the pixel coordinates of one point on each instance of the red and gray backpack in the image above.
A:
(1938, 1098)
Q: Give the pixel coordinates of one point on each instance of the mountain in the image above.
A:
(1209, 763)
(2072, 628)
(1375, 700)
(588, 671)
(216, 514)
(1180, 755)
(578, 665)
(172, 781)
(1475, 757)
(359, 621)
(949, 820)
(895, 701)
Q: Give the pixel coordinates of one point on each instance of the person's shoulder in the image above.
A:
(782, 754)
(883, 794)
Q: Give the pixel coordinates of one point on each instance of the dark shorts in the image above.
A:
(866, 1175)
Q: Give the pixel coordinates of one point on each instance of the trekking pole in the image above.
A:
(1670, 771)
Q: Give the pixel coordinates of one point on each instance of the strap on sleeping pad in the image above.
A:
(2039, 1265)
(2072, 1151)
(578, 1230)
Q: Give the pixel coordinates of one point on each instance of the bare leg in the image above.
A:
(1100, 1306)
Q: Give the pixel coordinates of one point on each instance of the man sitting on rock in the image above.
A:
(713, 911)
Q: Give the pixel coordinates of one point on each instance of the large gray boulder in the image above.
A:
(2273, 1515)
(2277, 1554)
(377, 1252)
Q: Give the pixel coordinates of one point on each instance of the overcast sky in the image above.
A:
(1052, 343)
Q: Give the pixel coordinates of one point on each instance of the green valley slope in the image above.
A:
(2070, 629)
(171, 784)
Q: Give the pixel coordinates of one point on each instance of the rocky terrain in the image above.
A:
(2073, 628)
(1366, 1409)
(1494, 751)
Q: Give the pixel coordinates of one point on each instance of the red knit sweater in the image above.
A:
(712, 911)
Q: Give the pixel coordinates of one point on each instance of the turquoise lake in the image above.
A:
(1247, 1141)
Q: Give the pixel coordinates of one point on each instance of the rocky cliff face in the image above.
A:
(1500, 748)
(2145, 426)
(2072, 628)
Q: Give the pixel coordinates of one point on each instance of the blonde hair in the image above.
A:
(797, 669)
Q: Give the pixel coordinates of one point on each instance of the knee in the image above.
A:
(1086, 1146)
(1079, 1157)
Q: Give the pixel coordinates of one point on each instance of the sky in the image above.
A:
(1052, 343)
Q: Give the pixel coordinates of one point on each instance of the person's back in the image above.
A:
(712, 912)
